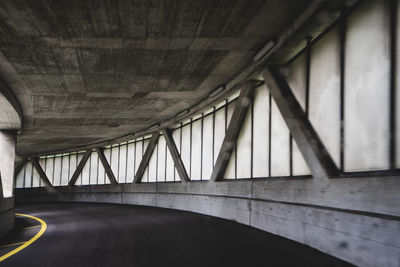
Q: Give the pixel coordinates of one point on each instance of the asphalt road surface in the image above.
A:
(83, 234)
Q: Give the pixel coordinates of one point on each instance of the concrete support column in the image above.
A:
(8, 140)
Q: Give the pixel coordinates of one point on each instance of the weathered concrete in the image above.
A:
(92, 72)
(6, 215)
(355, 219)
(7, 152)
(311, 147)
(146, 157)
(106, 165)
(228, 145)
(180, 167)
(10, 110)
(42, 174)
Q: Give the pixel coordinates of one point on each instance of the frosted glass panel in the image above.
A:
(86, 172)
(139, 154)
(231, 108)
(122, 164)
(398, 91)
(243, 151)
(101, 172)
(19, 182)
(280, 161)
(170, 167)
(162, 145)
(207, 147)
(367, 89)
(42, 164)
(219, 133)
(57, 171)
(93, 167)
(185, 154)
(261, 133)
(130, 170)
(49, 169)
(79, 180)
(35, 178)
(176, 135)
(28, 174)
(196, 150)
(300, 166)
(296, 77)
(230, 169)
(65, 170)
(72, 165)
(153, 166)
(324, 107)
(107, 153)
(115, 161)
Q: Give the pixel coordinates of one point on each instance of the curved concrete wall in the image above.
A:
(355, 219)
(6, 215)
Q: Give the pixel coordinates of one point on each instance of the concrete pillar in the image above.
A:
(8, 140)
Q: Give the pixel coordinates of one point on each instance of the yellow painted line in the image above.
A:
(31, 227)
(30, 241)
(13, 244)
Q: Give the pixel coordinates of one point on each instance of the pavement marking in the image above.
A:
(30, 241)
(13, 244)
(31, 227)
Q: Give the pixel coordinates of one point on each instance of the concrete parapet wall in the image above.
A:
(355, 219)
(6, 215)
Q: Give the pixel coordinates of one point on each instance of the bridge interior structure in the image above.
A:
(200, 133)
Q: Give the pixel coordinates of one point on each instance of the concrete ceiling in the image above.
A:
(87, 71)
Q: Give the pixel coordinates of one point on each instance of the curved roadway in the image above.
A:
(83, 234)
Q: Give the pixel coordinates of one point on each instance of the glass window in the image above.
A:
(42, 164)
(176, 135)
(261, 133)
(49, 166)
(207, 147)
(19, 182)
(196, 150)
(185, 154)
(324, 113)
(280, 161)
(230, 172)
(152, 168)
(170, 167)
(367, 88)
(65, 170)
(122, 164)
(28, 175)
(139, 154)
(57, 171)
(300, 166)
(243, 150)
(398, 91)
(162, 146)
(72, 165)
(35, 178)
(115, 161)
(296, 77)
(86, 172)
(130, 173)
(94, 160)
(219, 132)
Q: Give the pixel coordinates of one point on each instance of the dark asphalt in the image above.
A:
(82, 234)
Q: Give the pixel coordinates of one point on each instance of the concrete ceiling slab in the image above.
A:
(86, 71)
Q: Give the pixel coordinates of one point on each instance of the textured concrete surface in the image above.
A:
(7, 153)
(350, 218)
(122, 235)
(6, 215)
(86, 71)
